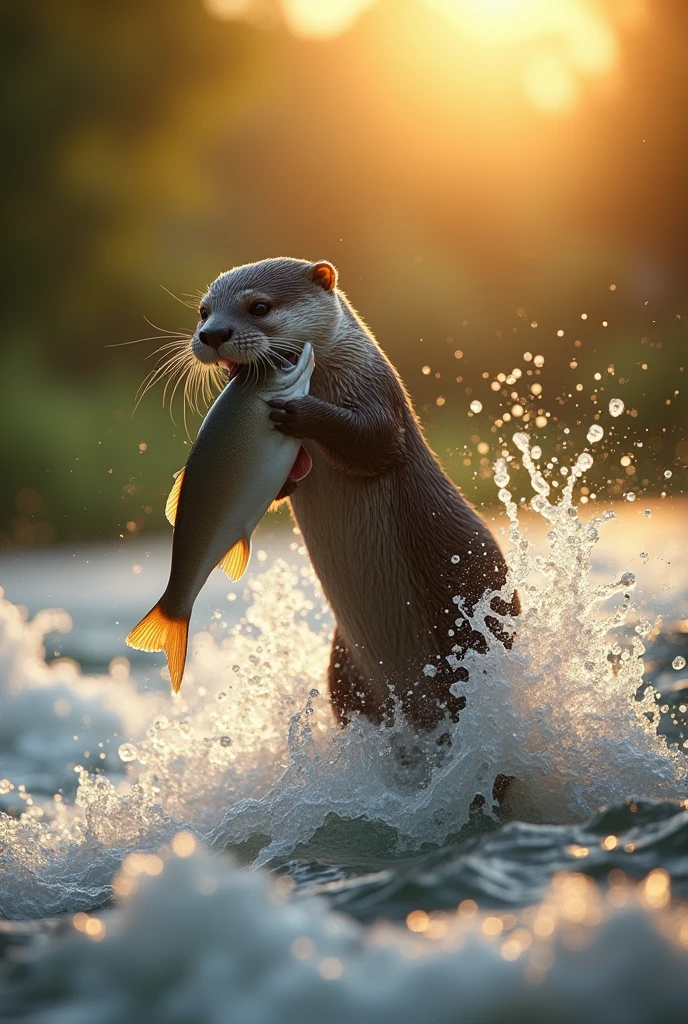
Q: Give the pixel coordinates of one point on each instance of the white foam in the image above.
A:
(249, 752)
(195, 939)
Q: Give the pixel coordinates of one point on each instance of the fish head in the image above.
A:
(254, 313)
(286, 379)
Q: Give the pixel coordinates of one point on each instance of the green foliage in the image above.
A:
(147, 144)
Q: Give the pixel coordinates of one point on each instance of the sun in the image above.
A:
(556, 44)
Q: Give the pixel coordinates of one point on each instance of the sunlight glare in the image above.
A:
(550, 85)
(229, 8)
(555, 44)
(322, 18)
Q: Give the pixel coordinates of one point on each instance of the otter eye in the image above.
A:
(203, 313)
(259, 308)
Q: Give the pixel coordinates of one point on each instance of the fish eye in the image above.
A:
(203, 313)
(259, 308)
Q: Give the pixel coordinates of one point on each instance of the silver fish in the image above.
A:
(238, 464)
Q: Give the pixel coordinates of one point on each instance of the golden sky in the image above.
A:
(557, 45)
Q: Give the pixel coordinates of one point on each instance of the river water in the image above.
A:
(229, 855)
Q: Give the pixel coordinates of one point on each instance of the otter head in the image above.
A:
(270, 307)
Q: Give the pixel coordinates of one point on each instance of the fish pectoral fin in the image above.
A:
(173, 500)
(235, 561)
(160, 632)
(302, 466)
(300, 469)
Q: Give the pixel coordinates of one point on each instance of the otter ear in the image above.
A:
(324, 275)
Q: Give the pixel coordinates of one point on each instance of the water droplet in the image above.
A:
(596, 433)
(536, 452)
(222, 696)
(678, 662)
(476, 406)
(585, 461)
(521, 441)
(127, 752)
(630, 496)
(5, 786)
(314, 693)
(161, 722)
(504, 495)
(430, 670)
(628, 579)
(667, 474)
(456, 559)
(225, 741)
(236, 668)
(616, 407)
(648, 513)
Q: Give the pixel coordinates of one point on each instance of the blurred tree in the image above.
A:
(150, 143)
(108, 115)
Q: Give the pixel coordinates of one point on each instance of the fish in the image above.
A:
(237, 466)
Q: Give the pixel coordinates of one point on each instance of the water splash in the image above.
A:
(249, 755)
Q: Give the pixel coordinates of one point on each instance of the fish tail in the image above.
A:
(160, 632)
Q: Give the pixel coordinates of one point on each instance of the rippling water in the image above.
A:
(375, 889)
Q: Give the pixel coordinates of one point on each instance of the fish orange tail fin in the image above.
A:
(159, 632)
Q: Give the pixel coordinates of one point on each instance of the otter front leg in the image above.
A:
(362, 442)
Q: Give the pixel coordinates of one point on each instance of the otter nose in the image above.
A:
(215, 338)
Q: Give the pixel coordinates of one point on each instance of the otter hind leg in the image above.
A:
(349, 693)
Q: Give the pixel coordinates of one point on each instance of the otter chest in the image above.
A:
(359, 551)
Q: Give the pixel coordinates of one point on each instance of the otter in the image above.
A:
(390, 537)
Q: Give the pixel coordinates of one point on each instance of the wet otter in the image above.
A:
(390, 537)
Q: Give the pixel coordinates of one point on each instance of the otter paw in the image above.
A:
(292, 417)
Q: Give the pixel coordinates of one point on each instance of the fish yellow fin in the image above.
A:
(159, 632)
(173, 500)
(235, 561)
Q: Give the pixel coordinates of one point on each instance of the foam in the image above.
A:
(196, 939)
(248, 756)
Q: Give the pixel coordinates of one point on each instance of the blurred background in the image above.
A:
(501, 184)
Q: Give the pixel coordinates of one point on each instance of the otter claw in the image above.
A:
(287, 417)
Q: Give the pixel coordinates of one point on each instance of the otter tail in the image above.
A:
(159, 632)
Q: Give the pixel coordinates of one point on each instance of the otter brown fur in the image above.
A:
(381, 520)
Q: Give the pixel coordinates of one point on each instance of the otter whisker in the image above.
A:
(154, 337)
(286, 344)
(168, 365)
(187, 399)
(175, 380)
(178, 333)
(299, 342)
(179, 369)
(211, 382)
(164, 369)
(191, 305)
(171, 346)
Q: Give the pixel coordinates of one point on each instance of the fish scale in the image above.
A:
(237, 466)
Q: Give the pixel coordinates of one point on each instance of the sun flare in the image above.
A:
(557, 44)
